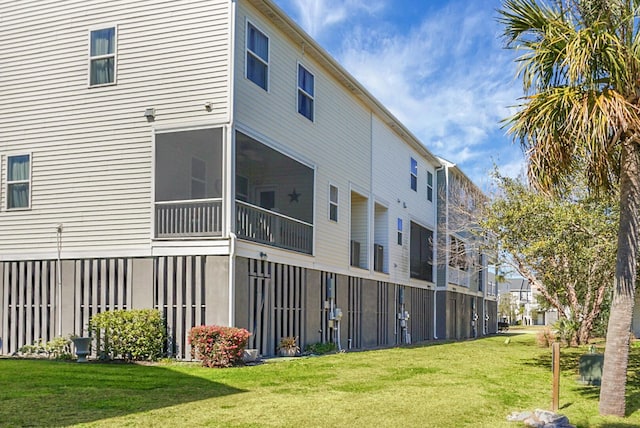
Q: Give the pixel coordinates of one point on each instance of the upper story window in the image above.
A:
(305, 92)
(18, 181)
(257, 57)
(102, 57)
(333, 203)
(429, 186)
(399, 231)
(414, 174)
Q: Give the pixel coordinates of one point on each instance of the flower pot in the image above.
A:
(83, 346)
(288, 352)
(250, 355)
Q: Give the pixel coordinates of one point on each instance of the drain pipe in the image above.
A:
(232, 274)
(435, 313)
(436, 251)
(59, 277)
(395, 311)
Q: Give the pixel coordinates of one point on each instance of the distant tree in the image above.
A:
(580, 68)
(462, 238)
(563, 245)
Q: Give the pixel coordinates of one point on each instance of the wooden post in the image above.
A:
(555, 364)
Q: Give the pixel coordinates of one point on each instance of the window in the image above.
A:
(198, 179)
(421, 253)
(333, 203)
(18, 181)
(429, 186)
(414, 175)
(399, 231)
(257, 57)
(305, 92)
(102, 57)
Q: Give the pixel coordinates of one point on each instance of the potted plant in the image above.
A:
(289, 346)
(82, 346)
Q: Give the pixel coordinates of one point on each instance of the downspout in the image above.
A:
(59, 277)
(232, 277)
(435, 292)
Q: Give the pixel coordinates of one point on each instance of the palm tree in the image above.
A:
(580, 66)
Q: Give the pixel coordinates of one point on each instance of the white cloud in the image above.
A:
(447, 80)
(317, 16)
(445, 77)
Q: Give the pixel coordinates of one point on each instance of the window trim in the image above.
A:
(413, 184)
(114, 56)
(304, 93)
(335, 204)
(248, 52)
(8, 182)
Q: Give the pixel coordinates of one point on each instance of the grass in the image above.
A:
(474, 383)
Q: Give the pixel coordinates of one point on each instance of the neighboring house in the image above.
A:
(463, 259)
(524, 299)
(210, 160)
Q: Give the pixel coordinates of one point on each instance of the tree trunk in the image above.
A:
(616, 355)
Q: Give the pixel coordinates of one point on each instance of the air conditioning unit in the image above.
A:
(355, 253)
(378, 258)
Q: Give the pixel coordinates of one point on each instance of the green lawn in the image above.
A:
(474, 383)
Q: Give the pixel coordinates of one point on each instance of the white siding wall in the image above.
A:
(338, 142)
(92, 147)
(391, 182)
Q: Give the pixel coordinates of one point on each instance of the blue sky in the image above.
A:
(438, 66)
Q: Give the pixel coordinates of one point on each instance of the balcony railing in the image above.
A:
(202, 217)
(458, 276)
(267, 227)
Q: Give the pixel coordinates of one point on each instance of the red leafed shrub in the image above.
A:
(218, 346)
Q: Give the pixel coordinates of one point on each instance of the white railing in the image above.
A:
(202, 217)
(267, 227)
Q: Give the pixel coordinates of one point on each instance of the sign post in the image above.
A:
(555, 365)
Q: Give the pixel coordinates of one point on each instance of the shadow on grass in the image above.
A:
(53, 393)
(569, 366)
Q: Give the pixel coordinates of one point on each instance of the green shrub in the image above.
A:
(137, 334)
(218, 346)
(320, 348)
(567, 330)
(58, 348)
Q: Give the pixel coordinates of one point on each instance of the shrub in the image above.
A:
(320, 348)
(567, 331)
(58, 348)
(130, 334)
(218, 346)
(545, 337)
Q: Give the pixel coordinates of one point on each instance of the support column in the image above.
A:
(142, 284)
(242, 299)
(68, 291)
(312, 307)
(217, 290)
